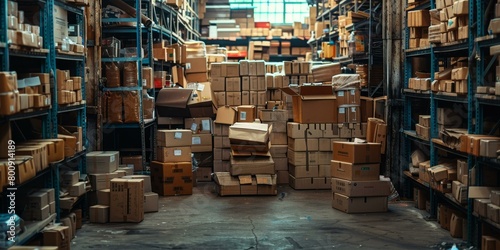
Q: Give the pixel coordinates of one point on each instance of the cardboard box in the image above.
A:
(309, 183)
(312, 98)
(173, 154)
(9, 80)
(199, 125)
(495, 197)
(489, 148)
(230, 69)
(356, 152)
(196, 65)
(233, 84)
(57, 236)
(361, 188)
(246, 113)
(151, 202)
(102, 162)
(481, 206)
(233, 98)
(298, 130)
(249, 133)
(103, 197)
(127, 200)
(459, 192)
(303, 158)
(304, 171)
(201, 143)
(102, 181)
(9, 103)
(355, 172)
(78, 189)
(172, 178)
(252, 166)
(303, 145)
(456, 223)
(424, 120)
(134, 161)
(174, 138)
(227, 184)
(489, 242)
(99, 214)
(492, 212)
(359, 204)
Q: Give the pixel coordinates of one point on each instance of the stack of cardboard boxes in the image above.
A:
(41, 204)
(420, 83)
(68, 87)
(171, 173)
(277, 119)
(453, 221)
(442, 176)
(356, 187)
(460, 187)
(449, 22)
(423, 128)
(418, 23)
(242, 83)
(494, 26)
(201, 145)
(259, 50)
(20, 32)
(252, 167)
(196, 62)
(226, 116)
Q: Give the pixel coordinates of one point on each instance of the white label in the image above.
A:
(340, 93)
(200, 87)
(342, 111)
(112, 158)
(243, 115)
(188, 65)
(178, 135)
(353, 92)
(177, 152)
(205, 125)
(353, 109)
(194, 127)
(144, 82)
(196, 140)
(11, 108)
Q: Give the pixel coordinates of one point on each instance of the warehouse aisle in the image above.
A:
(292, 220)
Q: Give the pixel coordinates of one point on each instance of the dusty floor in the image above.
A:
(301, 220)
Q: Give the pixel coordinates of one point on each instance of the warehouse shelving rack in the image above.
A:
(474, 105)
(48, 60)
(374, 54)
(120, 130)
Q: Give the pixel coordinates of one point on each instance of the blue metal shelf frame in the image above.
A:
(4, 57)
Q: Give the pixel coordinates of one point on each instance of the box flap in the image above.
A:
(225, 179)
(245, 179)
(226, 115)
(289, 91)
(236, 152)
(325, 90)
(172, 102)
(264, 179)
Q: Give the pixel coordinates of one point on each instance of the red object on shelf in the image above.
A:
(239, 54)
(263, 25)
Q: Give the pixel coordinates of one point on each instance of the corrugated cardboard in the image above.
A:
(271, 115)
(356, 152)
(304, 171)
(127, 200)
(252, 165)
(77, 189)
(249, 133)
(456, 226)
(309, 103)
(145, 178)
(309, 183)
(492, 212)
(201, 125)
(298, 130)
(101, 181)
(489, 242)
(303, 145)
(103, 197)
(173, 154)
(359, 204)
(489, 148)
(150, 202)
(459, 192)
(495, 197)
(227, 184)
(481, 206)
(361, 188)
(99, 214)
(172, 102)
(226, 115)
(246, 113)
(174, 138)
(101, 162)
(172, 178)
(302, 158)
(201, 143)
(355, 172)
(24, 168)
(57, 236)
(203, 102)
(477, 192)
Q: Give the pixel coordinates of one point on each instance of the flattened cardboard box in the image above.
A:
(359, 204)
(361, 188)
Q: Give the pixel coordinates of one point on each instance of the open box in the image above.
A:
(313, 104)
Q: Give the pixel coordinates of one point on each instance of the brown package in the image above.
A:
(114, 107)
(112, 75)
(130, 74)
(131, 106)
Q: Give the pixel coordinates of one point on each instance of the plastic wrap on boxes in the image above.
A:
(114, 106)
(112, 74)
(131, 106)
(343, 81)
(6, 222)
(130, 74)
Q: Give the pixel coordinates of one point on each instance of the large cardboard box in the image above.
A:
(361, 188)
(134, 161)
(196, 65)
(172, 178)
(103, 197)
(309, 183)
(493, 212)
(145, 178)
(249, 133)
(127, 200)
(201, 143)
(246, 113)
(309, 102)
(173, 102)
(24, 168)
(57, 236)
(251, 165)
(359, 204)
(355, 172)
(356, 152)
(303, 145)
(298, 130)
(456, 223)
(174, 138)
(173, 154)
(226, 115)
(102, 162)
(99, 214)
(150, 202)
(304, 171)
(102, 181)
(302, 158)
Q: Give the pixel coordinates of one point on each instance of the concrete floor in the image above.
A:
(301, 220)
